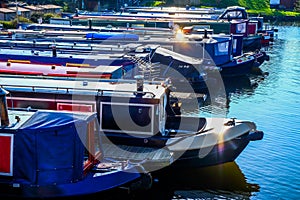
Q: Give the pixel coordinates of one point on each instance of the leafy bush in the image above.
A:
(46, 17)
(35, 16)
(155, 3)
(13, 23)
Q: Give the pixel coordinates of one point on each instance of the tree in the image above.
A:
(297, 6)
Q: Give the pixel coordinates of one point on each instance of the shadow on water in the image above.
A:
(222, 181)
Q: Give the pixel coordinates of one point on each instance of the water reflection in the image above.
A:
(222, 181)
(236, 88)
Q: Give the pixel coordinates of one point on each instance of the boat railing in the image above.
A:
(150, 82)
(83, 91)
(66, 90)
(66, 48)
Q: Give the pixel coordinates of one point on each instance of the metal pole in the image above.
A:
(17, 12)
(99, 6)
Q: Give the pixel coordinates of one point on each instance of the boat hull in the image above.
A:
(195, 158)
(91, 184)
(252, 43)
(222, 153)
(237, 69)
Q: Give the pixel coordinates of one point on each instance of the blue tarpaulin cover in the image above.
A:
(49, 147)
(113, 36)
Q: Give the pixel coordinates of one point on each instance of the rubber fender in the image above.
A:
(144, 183)
(256, 64)
(255, 135)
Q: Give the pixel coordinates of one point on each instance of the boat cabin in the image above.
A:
(244, 27)
(221, 49)
(129, 108)
(173, 64)
(234, 12)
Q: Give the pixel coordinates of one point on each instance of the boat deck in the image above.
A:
(150, 157)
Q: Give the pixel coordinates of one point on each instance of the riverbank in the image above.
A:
(280, 20)
(276, 16)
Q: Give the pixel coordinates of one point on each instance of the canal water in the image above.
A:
(269, 168)
(266, 169)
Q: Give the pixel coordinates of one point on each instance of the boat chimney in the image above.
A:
(139, 83)
(54, 53)
(139, 86)
(205, 34)
(90, 24)
(3, 108)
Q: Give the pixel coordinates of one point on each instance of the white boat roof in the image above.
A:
(101, 88)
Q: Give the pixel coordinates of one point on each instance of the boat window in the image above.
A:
(241, 28)
(222, 48)
(128, 70)
(127, 118)
(234, 15)
(234, 45)
(162, 114)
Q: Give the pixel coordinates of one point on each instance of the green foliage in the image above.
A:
(273, 12)
(249, 4)
(8, 24)
(297, 6)
(155, 3)
(227, 3)
(23, 19)
(158, 3)
(254, 4)
(46, 17)
(35, 16)
(13, 23)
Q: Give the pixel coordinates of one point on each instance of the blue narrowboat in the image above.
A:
(140, 114)
(47, 154)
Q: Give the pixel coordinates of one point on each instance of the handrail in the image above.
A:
(68, 90)
(153, 82)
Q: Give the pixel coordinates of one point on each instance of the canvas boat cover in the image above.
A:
(48, 148)
(177, 56)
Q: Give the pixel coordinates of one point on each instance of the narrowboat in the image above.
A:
(82, 56)
(218, 53)
(87, 72)
(222, 51)
(220, 22)
(140, 114)
(165, 64)
(47, 154)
